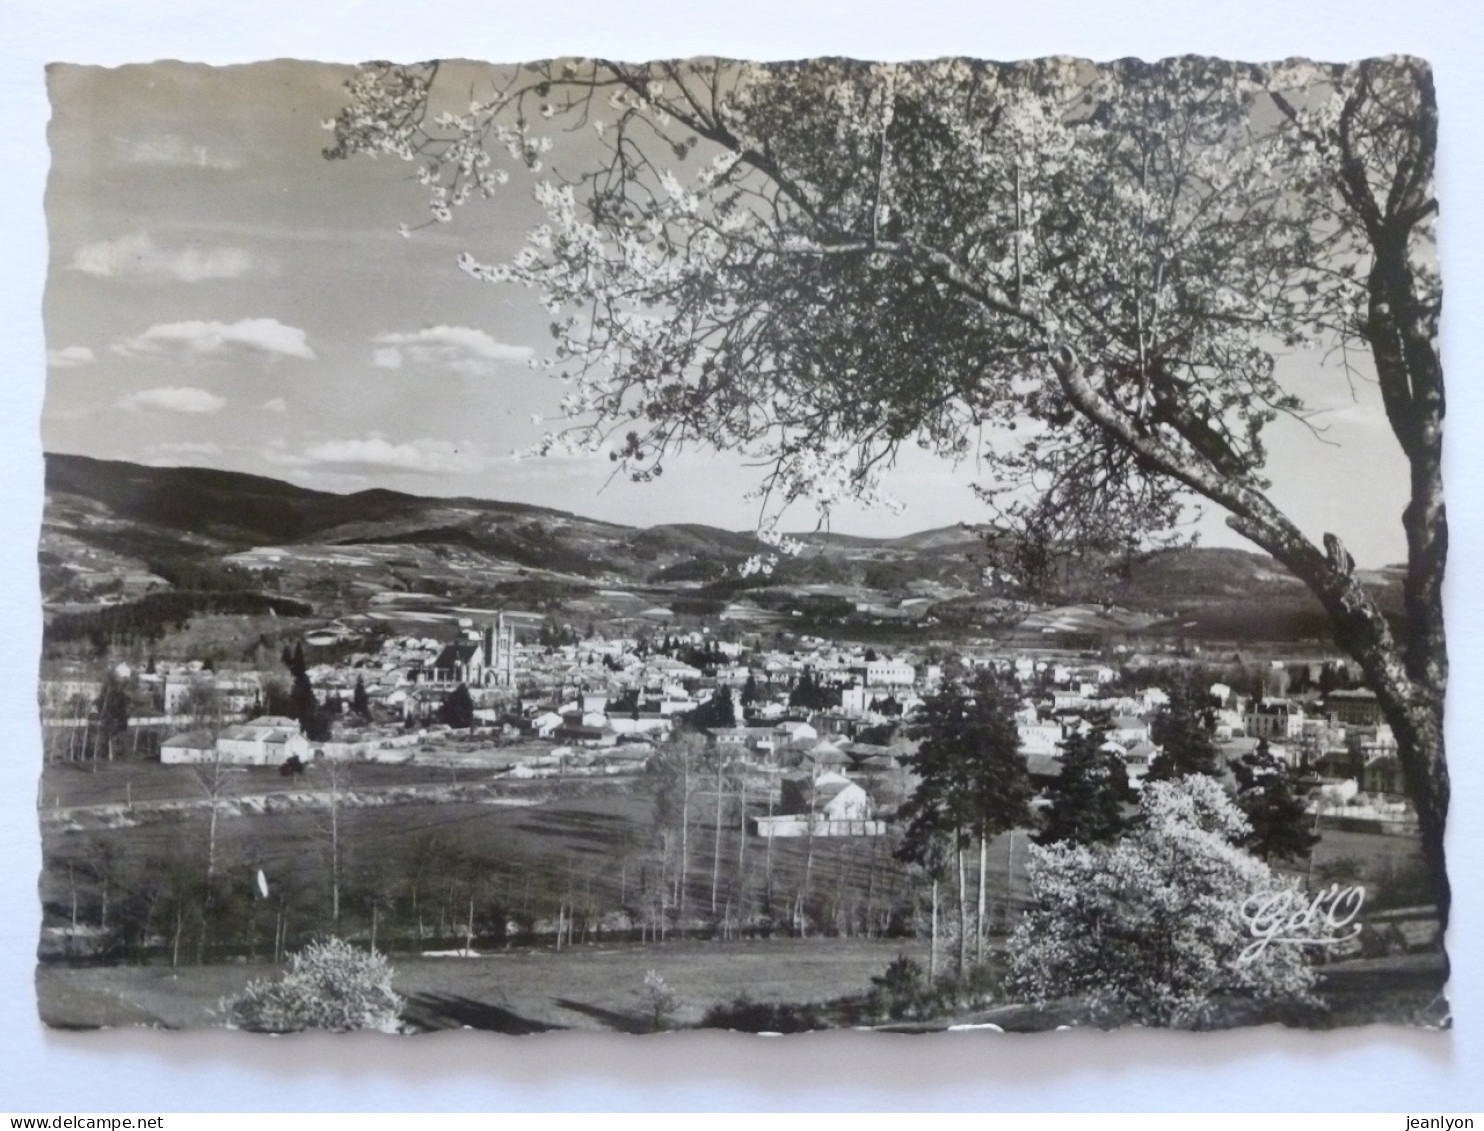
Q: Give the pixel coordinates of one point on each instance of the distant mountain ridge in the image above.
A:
(244, 510)
(135, 515)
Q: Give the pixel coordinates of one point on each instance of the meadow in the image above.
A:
(563, 894)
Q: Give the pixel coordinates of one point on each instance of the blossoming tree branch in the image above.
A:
(1082, 275)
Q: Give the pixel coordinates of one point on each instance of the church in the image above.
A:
(482, 659)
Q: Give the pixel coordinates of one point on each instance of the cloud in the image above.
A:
(180, 453)
(262, 336)
(328, 480)
(137, 256)
(423, 456)
(174, 150)
(457, 349)
(69, 357)
(174, 398)
(189, 448)
(277, 404)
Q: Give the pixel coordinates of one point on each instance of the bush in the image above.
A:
(659, 1000)
(328, 985)
(1151, 928)
(746, 1016)
(904, 992)
(900, 989)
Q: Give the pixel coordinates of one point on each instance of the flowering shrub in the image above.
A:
(1152, 925)
(660, 1001)
(328, 985)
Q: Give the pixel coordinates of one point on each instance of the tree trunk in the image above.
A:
(933, 938)
(808, 856)
(716, 843)
(1009, 870)
(684, 846)
(741, 884)
(768, 855)
(963, 916)
(979, 921)
(211, 846)
(335, 845)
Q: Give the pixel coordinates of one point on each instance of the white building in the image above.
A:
(1040, 738)
(1274, 718)
(266, 741)
(829, 804)
(890, 673)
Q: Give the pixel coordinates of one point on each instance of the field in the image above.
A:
(552, 839)
(427, 860)
(599, 988)
(588, 987)
(422, 854)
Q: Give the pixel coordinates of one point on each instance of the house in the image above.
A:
(1039, 738)
(731, 739)
(796, 732)
(1073, 700)
(1128, 730)
(641, 722)
(545, 724)
(232, 696)
(189, 748)
(1354, 708)
(827, 804)
(890, 673)
(1043, 769)
(868, 758)
(269, 740)
(1274, 718)
(1137, 760)
(826, 754)
(1153, 698)
(582, 734)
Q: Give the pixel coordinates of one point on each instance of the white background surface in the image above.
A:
(1267, 1069)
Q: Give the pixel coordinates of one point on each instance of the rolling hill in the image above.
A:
(112, 527)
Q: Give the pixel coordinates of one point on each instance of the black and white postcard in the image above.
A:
(707, 544)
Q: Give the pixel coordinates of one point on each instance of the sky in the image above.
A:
(220, 295)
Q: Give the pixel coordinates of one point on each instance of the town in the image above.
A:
(600, 706)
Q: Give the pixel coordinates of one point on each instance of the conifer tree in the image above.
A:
(1088, 799)
(1267, 794)
(360, 704)
(1183, 729)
